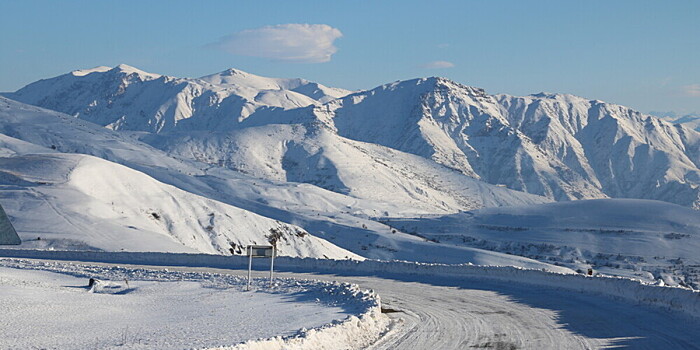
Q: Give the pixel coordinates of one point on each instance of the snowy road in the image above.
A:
(476, 314)
(440, 313)
(443, 313)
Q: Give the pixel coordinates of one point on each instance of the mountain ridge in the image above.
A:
(560, 146)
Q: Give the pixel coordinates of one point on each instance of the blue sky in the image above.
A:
(643, 54)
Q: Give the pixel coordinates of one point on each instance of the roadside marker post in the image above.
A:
(260, 251)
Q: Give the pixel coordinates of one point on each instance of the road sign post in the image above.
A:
(260, 251)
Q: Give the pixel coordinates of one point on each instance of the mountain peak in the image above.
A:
(445, 84)
(562, 97)
(127, 69)
(84, 72)
(122, 68)
(234, 71)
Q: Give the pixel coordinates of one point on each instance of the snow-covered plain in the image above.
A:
(49, 305)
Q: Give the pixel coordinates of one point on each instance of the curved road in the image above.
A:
(440, 313)
(435, 313)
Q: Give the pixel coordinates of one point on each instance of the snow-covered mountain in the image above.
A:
(691, 120)
(349, 168)
(558, 146)
(126, 98)
(28, 132)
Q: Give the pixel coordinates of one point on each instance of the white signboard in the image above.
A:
(260, 251)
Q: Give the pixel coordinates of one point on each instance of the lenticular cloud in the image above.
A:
(304, 43)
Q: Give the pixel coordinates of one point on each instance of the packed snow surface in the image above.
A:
(50, 305)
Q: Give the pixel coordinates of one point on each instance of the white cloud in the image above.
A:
(691, 90)
(438, 64)
(305, 43)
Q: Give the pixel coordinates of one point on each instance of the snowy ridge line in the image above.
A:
(355, 331)
(677, 299)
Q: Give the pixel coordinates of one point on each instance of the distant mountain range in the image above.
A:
(426, 142)
(691, 120)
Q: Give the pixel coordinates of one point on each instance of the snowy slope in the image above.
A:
(67, 200)
(651, 240)
(629, 154)
(689, 120)
(310, 154)
(126, 98)
(30, 140)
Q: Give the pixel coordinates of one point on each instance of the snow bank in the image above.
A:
(364, 325)
(676, 299)
(355, 332)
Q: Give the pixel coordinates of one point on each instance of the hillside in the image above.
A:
(71, 201)
(559, 146)
(649, 240)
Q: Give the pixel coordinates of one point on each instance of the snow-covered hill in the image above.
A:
(689, 120)
(559, 146)
(650, 240)
(53, 190)
(309, 154)
(63, 200)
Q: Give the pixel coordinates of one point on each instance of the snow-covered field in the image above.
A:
(648, 240)
(49, 305)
